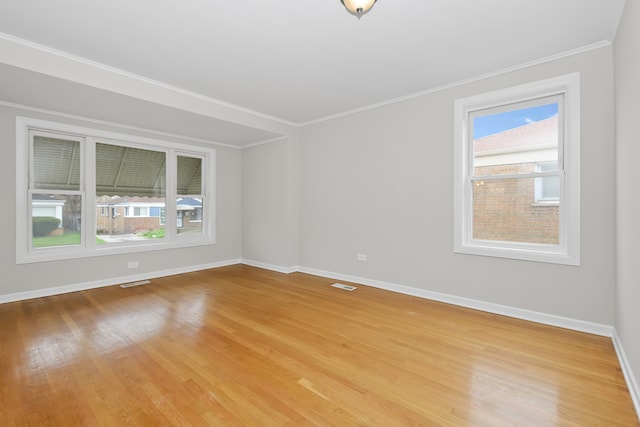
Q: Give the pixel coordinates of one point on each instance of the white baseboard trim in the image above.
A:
(632, 384)
(272, 267)
(21, 296)
(518, 313)
(504, 310)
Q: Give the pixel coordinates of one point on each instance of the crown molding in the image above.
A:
(118, 125)
(446, 86)
(131, 76)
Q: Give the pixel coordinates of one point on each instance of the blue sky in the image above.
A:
(494, 123)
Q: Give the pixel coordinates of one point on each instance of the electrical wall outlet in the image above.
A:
(362, 257)
(132, 264)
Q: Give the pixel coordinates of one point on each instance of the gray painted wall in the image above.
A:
(627, 66)
(380, 183)
(270, 203)
(28, 277)
(265, 179)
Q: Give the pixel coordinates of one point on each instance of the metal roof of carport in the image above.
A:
(120, 170)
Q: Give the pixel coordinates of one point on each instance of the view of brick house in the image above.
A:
(517, 209)
(117, 215)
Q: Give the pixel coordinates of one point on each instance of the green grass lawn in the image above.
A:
(154, 234)
(68, 238)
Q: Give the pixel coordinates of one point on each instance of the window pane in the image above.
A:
(126, 171)
(189, 217)
(506, 210)
(56, 220)
(512, 142)
(548, 189)
(129, 219)
(189, 175)
(56, 163)
(131, 186)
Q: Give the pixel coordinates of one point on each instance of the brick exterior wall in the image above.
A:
(188, 225)
(106, 224)
(506, 209)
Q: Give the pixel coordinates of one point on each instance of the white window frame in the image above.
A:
(88, 247)
(568, 250)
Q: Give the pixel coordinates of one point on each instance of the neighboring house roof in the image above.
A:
(190, 202)
(46, 199)
(536, 135)
(120, 170)
(183, 203)
(126, 201)
(43, 197)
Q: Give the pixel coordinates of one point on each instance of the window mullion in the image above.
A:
(171, 196)
(29, 218)
(208, 191)
(31, 182)
(88, 225)
(561, 132)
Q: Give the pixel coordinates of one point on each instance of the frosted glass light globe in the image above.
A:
(358, 7)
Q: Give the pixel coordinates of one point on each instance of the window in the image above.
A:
(137, 211)
(85, 192)
(517, 173)
(547, 188)
(191, 200)
(55, 190)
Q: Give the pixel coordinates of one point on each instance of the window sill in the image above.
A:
(519, 251)
(74, 252)
(543, 204)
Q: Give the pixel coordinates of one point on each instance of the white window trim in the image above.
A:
(568, 251)
(88, 248)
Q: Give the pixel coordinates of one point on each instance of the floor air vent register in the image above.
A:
(138, 283)
(345, 287)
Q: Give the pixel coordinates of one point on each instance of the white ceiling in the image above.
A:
(300, 61)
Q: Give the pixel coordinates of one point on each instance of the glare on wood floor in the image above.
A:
(242, 346)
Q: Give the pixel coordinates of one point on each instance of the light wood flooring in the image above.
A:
(248, 347)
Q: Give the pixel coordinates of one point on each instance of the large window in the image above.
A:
(56, 189)
(517, 173)
(190, 200)
(85, 192)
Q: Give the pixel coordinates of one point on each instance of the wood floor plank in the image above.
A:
(242, 346)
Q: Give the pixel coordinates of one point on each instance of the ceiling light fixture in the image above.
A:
(358, 7)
